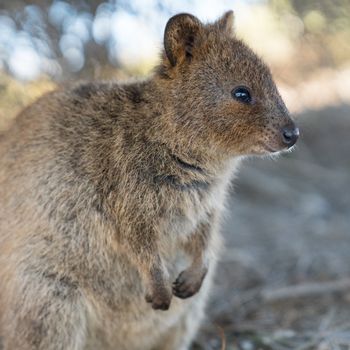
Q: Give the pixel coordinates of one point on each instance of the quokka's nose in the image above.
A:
(290, 135)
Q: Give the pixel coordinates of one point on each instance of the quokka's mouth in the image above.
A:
(267, 148)
(271, 149)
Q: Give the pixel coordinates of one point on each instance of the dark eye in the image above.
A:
(241, 94)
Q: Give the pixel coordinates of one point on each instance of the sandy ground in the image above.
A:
(288, 225)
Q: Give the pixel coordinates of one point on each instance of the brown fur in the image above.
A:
(111, 194)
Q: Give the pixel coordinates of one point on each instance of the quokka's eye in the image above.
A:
(241, 94)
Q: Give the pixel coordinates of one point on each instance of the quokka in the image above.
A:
(111, 195)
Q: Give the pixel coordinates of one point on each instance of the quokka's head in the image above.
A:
(222, 94)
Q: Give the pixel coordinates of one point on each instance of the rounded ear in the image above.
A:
(179, 36)
(225, 23)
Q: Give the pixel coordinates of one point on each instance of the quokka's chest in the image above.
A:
(189, 209)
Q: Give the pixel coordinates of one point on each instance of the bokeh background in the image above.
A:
(283, 280)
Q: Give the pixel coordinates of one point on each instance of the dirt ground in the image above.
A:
(283, 280)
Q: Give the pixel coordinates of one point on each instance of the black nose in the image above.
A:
(290, 135)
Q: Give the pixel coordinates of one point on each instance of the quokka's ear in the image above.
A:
(180, 37)
(225, 23)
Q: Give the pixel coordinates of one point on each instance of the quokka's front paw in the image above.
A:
(189, 282)
(160, 298)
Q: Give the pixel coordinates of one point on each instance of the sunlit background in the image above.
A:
(288, 223)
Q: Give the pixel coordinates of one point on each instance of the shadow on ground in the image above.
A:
(288, 225)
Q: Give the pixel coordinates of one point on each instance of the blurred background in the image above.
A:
(283, 281)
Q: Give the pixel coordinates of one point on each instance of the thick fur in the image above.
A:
(111, 196)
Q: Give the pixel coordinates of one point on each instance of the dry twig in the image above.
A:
(306, 290)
